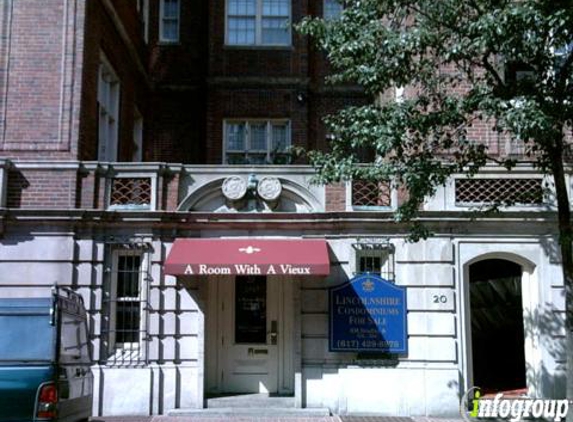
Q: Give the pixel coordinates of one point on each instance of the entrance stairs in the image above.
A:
(251, 406)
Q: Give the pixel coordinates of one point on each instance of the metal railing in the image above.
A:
(371, 194)
(512, 191)
(130, 193)
(125, 313)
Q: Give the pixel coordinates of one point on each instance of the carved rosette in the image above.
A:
(234, 188)
(269, 188)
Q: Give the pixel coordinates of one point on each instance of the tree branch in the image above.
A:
(491, 70)
(565, 71)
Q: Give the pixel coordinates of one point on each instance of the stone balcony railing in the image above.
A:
(124, 186)
(216, 188)
(155, 186)
(520, 189)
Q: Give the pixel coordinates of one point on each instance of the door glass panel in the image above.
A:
(250, 309)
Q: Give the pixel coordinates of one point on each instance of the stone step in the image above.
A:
(249, 401)
(251, 412)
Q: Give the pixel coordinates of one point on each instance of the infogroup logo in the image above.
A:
(473, 407)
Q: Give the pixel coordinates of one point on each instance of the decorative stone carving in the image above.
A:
(269, 188)
(234, 188)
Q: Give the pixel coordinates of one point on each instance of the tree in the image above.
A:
(506, 64)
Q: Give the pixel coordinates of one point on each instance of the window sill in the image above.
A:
(168, 43)
(472, 206)
(371, 208)
(259, 47)
(131, 207)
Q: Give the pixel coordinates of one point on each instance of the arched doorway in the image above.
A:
(497, 330)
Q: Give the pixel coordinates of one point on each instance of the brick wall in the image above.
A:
(88, 190)
(42, 188)
(50, 85)
(170, 192)
(127, 12)
(335, 197)
(183, 63)
(254, 103)
(198, 82)
(324, 102)
(40, 78)
(104, 37)
(288, 61)
(178, 72)
(177, 131)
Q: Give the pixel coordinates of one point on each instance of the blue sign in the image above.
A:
(368, 314)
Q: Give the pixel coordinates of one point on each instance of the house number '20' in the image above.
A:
(440, 299)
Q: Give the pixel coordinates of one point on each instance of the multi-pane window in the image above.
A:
(257, 141)
(332, 9)
(370, 263)
(169, 21)
(375, 256)
(108, 112)
(126, 312)
(258, 22)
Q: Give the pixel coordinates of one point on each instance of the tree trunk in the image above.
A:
(565, 242)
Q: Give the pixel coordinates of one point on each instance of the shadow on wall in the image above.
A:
(550, 325)
(551, 248)
(547, 324)
(17, 183)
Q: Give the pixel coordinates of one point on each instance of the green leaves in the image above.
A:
(486, 62)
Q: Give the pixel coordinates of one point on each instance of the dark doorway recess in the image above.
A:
(497, 326)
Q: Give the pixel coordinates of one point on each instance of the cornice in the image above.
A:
(454, 223)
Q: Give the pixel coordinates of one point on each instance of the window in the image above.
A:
(371, 194)
(257, 142)
(258, 22)
(126, 311)
(137, 154)
(169, 21)
(74, 345)
(369, 262)
(375, 256)
(143, 12)
(250, 309)
(332, 9)
(108, 112)
(561, 55)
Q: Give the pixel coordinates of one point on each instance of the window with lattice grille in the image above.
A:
(130, 193)
(522, 191)
(371, 194)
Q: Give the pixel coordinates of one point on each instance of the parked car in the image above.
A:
(45, 359)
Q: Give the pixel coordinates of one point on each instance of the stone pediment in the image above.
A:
(250, 193)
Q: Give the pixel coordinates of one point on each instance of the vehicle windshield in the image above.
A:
(26, 338)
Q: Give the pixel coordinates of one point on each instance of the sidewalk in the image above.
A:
(335, 418)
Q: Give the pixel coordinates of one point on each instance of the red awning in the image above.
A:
(248, 257)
